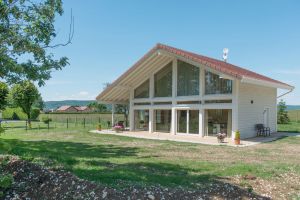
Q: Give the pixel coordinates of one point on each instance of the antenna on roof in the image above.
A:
(225, 54)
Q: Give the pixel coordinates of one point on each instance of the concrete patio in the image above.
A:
(195, 138)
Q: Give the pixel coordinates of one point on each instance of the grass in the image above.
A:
(292, 126)
(122, 161)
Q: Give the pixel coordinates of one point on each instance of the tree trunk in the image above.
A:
(29, 120)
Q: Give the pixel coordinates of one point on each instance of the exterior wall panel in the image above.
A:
(250, 114)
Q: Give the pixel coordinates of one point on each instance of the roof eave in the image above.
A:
(245, 79)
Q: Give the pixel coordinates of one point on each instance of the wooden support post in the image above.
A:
(112, 115)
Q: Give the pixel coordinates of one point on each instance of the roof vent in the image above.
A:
(225, 54)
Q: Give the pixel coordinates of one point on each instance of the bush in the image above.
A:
(35, 112)
(46, 120)
(6, 181)
(14, 114)
(282, 114)
(1, 130)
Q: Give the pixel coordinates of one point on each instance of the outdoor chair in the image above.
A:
(261, 130)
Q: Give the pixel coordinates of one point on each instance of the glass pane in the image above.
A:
(143, 90)
(187, 79)
(181, 121)
(141, 120)
(194, 121)
(162, 120)
(215, 84)
(163, 82)
(218, 121)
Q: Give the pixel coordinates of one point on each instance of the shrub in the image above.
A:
(35, 112)
(6, 181)
(282, 114)
(1, 130)
(46, 120)
(14, 114)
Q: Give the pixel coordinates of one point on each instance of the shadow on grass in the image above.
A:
(119, 166)
(65, 153)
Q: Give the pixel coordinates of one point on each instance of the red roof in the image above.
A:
(82, 108)
(218, 65)
(63, 108)
(78, 108)
(214, 64)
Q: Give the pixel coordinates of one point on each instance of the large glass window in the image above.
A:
(218, 121)
(163, 82)
(194, 121)
(162, 120)
(215, 84)
(141, 120)
(181, 121)
(143, 90)
(187, 79)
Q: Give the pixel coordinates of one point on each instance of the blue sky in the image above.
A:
(111, 35)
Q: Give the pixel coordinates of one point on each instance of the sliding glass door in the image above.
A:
(162, 121)
(193, 122)
(188, 121)
(141, 120)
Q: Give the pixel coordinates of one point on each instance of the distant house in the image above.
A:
(70, 109)
(83, 109)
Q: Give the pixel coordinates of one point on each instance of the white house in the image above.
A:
(179, 92)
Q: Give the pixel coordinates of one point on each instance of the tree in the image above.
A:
(282, 114)
(3, 95)
(24, 95)
(98, 107)
(120, 108)
(39, 103)
(27, 33)
(123, 109)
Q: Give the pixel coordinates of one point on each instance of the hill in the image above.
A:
(293, 107)
(55, 104)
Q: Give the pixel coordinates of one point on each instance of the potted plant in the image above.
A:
(118, 128)
(237, 138)
(99, 127)
(221, 137)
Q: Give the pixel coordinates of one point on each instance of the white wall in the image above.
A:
(251, 114)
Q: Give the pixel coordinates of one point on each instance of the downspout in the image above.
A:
(291, 90)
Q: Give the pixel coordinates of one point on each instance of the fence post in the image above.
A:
(48, 125)
(26, 125)
(83, 122)
(67, 122)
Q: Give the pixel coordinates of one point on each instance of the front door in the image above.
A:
(266, 117)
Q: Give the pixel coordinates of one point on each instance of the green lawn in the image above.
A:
(122, 161)
(290, 127)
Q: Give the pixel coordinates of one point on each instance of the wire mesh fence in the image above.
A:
(294, 115)
(64, 122)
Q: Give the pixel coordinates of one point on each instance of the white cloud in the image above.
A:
(83, 93)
